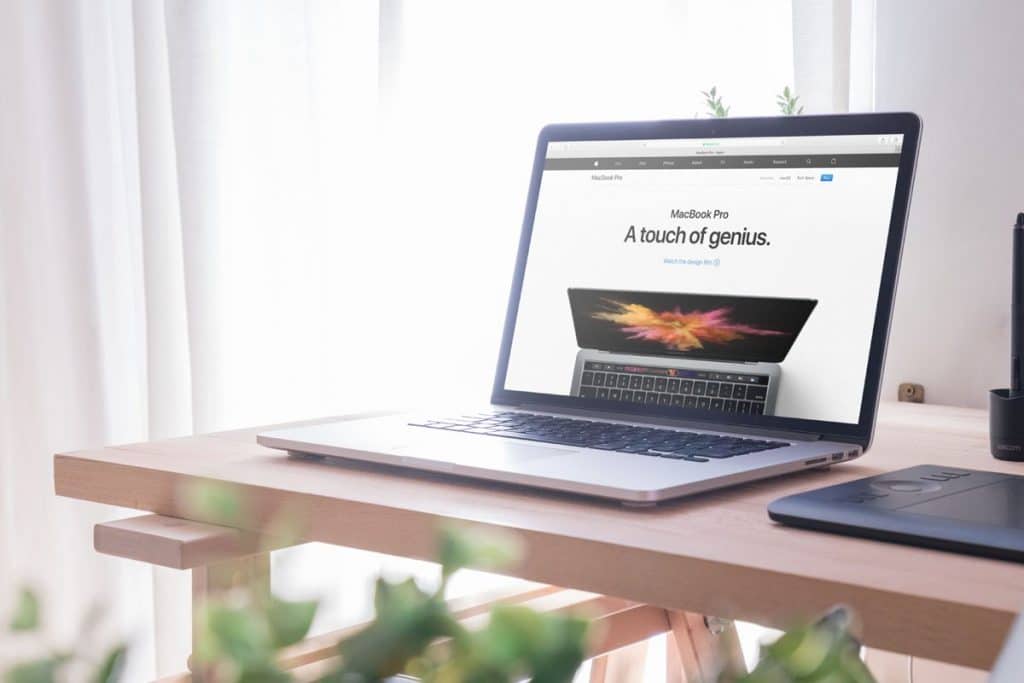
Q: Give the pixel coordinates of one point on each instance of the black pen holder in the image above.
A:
(1006, 424)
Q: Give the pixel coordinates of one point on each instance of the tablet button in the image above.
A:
(906, 486)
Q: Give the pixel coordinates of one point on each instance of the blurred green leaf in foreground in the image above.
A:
(824, 652)
(26, 612)
(414, 631)
(52, 666)
(242, 633)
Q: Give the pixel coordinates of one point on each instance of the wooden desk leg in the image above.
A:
(250, 573)
(697, 651)
(624, 664)
(221, 558)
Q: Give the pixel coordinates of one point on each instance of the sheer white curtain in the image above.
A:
(207, 222)
(177, 185)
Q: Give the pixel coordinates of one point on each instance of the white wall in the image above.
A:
(960, 65)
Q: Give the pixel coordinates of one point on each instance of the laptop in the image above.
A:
(695, 304)
(639, 347)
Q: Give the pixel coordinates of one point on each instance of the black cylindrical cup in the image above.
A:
(1006, 424)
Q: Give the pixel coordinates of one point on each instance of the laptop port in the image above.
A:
(816, 461)
(837, 456)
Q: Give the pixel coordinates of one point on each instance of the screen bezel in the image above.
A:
(905, 123)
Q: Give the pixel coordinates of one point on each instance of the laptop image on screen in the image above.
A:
(711, 352)
(694, 304)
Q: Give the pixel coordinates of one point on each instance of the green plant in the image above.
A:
(241, 637)
(242, 633)
(516, 644)
(413, 629)
(823, 652)
(53, 665)
(788, 102)
(412, 632)
(713, 101)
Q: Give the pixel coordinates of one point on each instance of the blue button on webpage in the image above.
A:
(826, 177)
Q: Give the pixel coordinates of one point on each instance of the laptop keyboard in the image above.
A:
(679, 388)
(608, 436)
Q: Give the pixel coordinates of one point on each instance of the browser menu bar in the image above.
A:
(793, 161)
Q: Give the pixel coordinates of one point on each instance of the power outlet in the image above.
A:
(911, 393)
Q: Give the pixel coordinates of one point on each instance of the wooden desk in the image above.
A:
(714, 554)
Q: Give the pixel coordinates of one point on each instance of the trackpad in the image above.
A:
(486, 452)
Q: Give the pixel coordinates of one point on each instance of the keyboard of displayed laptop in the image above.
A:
(610, 436)
(680, 388)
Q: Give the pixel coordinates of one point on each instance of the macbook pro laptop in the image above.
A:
(730, 284)
(628, 354)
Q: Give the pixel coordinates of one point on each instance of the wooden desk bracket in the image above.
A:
(176, 543)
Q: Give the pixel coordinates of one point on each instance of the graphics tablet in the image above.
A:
(946, 508)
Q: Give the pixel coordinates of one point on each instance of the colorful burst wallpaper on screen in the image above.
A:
(732, 328)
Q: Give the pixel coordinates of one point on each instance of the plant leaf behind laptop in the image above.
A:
(789, 103)
(713, 101)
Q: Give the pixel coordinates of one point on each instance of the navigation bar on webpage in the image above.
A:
(726, 162)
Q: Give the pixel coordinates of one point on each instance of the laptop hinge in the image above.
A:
(786, 435)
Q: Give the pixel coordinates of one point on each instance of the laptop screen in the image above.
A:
(724, 328)
(707, 259)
